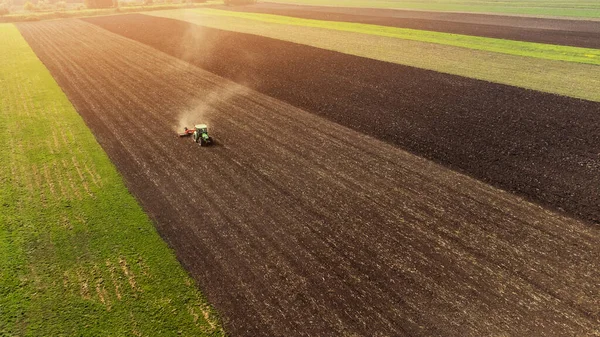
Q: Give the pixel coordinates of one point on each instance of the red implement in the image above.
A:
(186, 132)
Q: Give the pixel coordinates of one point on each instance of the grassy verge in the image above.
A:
(558, 8)
(564, 78)
(518, 48)
(78, 256)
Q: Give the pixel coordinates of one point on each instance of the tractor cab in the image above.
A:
(201, 136)
(201, 128)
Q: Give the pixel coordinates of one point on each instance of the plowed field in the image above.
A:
(295, 225)
(577, 33)
(542, 146)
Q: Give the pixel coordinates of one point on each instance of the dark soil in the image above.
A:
(297, 226)
(577, 33)
(542, 146)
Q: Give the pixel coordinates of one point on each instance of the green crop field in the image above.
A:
(522, 64)
(519, 48)
(571, 8)
(78, 256)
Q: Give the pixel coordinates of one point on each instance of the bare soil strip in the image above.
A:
(296, 226)
(541, 146)
(576, 33)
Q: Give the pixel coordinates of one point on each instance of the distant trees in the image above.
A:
(99, 3)
(29, 6)
(43, 5)
(239, 2)
(5, 6)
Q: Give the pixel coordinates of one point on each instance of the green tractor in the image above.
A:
(199, 134)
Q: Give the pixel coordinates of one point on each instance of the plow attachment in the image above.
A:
(186, 132)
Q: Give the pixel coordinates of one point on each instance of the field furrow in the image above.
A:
(295, 225)
(544, 147)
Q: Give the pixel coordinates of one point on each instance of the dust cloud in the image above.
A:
(198, 48)
(212, 104)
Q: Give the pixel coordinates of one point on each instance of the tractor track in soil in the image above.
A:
(295, 225)
(541, 146)
(566, 32)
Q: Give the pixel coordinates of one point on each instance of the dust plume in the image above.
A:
(213, 104)
(200, 48)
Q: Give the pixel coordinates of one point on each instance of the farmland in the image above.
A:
(578, 33)
(78, 256)
(375, 172)
(510, 47)
(559, 8)
(553, 76)
(489, 131)
(305, 225)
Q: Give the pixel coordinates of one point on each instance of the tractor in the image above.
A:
(199, 134)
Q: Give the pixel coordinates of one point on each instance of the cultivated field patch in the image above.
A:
(577, 33)
(510, 47)
(77, 254)
(295, 225)
(559, 8)
(520, 140)
(559, 77)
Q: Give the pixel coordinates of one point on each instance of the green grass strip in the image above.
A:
(78, 256)
(574, 8)
(509, 47)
